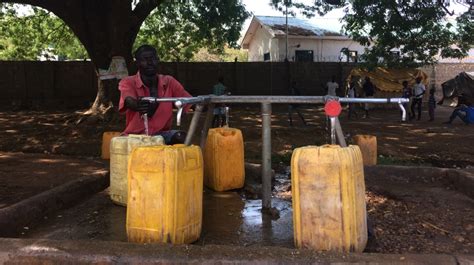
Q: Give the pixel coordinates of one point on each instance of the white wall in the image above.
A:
(331, 49)
(262, 42)
(324, 50)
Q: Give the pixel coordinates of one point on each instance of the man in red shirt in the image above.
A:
(148, 83)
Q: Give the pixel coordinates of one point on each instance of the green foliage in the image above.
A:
(35, 34)
(228, 55)
(419, 29)
(179, 29)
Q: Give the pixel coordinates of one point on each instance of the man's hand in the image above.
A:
(143, 106)
(138, 105)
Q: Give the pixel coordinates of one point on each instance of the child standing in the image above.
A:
(407, 93)
(431, 104)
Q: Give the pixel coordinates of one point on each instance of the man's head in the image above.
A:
(405, 83)
(146, 60)
(418, 80)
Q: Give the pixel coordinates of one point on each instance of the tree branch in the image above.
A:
(144, 8)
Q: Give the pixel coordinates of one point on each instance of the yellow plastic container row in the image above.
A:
(120, 149)
(368, 147)
(106, 138)
(224, 166)
(165, 194)
(329, 211)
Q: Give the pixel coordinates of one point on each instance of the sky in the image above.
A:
(329, 21)
(262, 8)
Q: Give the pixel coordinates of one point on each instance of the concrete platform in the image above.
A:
(31, 251)
(234, 231)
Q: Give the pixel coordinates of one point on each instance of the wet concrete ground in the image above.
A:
(227, 220)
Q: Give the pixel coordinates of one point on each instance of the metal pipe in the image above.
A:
(227, 116)
(178, 116)
(178, 101)
(145, 123)
(404, 112)
(286, 31)
(333, 129)
(340, 134)
(207, 125)
(194, 123)
(300, 99)
(266, 156)
(274, 99)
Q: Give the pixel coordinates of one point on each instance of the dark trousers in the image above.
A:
(292, 108)
(431, 112)
(352, 110)
(416, 104)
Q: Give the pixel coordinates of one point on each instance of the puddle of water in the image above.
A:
(227, 220)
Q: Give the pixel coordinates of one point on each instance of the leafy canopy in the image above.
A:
(418, 29)
(35, 34)
(178, 29)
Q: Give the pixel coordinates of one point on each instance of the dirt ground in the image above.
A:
(408, 143)
(412, 221)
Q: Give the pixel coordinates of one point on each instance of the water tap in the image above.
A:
(178, 104)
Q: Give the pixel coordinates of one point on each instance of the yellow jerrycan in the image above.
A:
(165, 186)
(120, 149)
(329, 211)
(368, 147)
(106, 138)
(224, 165)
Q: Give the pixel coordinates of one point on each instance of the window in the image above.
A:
(348, 55)
(266, 57)
(304, 56)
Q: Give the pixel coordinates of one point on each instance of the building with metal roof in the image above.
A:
(265, 40)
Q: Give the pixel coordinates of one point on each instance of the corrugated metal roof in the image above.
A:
(296, 26)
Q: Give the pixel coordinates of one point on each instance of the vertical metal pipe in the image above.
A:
(286, 35)
(207, 125)
(145, 123)
(194, 123)
(227, 116)
(333, 129)
(340, 134)
(266, 156)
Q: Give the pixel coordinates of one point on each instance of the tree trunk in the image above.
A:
(107, 99)
(106, 28)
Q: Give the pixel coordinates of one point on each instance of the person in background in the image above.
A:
(369, 91)
(295, 92)
(219, 89)
(431, 104)
(406, 93)
(332, 87)
(148, 83)
(351, 93)
(464, 112)
(418, 92)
